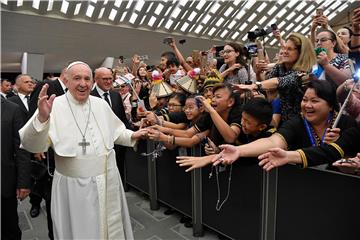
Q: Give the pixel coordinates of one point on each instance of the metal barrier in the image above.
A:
(287, 203)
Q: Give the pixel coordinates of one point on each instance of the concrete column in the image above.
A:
(33, 64)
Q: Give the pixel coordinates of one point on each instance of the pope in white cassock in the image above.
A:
(88, 200)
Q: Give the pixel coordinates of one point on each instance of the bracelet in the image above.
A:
(169, 139)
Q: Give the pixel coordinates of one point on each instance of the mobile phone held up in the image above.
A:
(168, 40)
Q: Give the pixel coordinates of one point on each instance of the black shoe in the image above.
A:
(188, 224)
(185, 219)
(169, 211)
(34, 211)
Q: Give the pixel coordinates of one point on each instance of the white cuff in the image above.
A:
(39, 126)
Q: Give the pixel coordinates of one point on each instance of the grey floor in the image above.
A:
(147, 224)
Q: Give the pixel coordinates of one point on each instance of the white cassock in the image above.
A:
(87, 197)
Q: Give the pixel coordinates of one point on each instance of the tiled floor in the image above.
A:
(147, 224)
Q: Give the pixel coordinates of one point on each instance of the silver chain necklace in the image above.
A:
(218, 207)
(83, 143)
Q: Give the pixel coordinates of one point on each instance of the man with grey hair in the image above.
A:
(88, 201)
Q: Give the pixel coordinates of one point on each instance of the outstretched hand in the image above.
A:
(227, 156)
(275, 157)
(193, 162)
(45, 104)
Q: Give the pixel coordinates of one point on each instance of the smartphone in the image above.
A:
(319, 11)
(167, 40)
(274, 26)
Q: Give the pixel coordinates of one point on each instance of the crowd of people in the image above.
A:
(233, 102)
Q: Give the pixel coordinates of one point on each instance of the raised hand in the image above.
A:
(140, 134)
(275, 157)
(45, 104)
(205, 103)
(331, 135)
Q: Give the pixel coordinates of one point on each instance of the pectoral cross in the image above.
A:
(83, 144)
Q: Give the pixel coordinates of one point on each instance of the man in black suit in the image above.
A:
(104, 79)
(15, 169)
(6, 89)
(24, 87)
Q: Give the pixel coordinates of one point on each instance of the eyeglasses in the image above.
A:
(227, 51)
(174, 105)
(189, 108)
(324, 39)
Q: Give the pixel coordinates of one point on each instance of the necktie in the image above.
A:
(27, 101)
(106, 98)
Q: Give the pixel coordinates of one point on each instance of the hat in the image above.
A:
(188, 83)
(212, 78)
(160, 88)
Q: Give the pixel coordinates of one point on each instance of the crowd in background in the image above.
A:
(233, 95)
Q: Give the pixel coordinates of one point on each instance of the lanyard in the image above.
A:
(310, 134)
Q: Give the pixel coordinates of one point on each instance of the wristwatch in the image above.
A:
(259, 86)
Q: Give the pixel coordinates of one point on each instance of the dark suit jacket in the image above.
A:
(25, 114)
(54, 88)
(15, 162)
(116, 105)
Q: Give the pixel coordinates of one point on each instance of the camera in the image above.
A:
(168, 40)
(251, 49)
(261, 32)
(150, 68)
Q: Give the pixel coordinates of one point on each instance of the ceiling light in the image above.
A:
(206, 18)
(133, 18)
(261, 7)
(299, 18)
(290, 16)
(65, 6)
(252, 17)
(309, 9)
(36, 4)
(4, 2)
(77, 9)
(158, 9)
(19, 3)
(298, 28)
(273, 42)
(215, 7)
(105, 2)
(340, 9)
(101, 13)
(219, 22)
(249, 4)
(243, 26)
(123, 16)
(184, 27)
(288, 27)
(200, 4)
(240, 14)
(291, 3)
(129, 4)
(112, 14)
(300, 6)
(232, 24)
(151, 21)
(235, 35)
(50, 5)
(182, 2)
(117, 3)
(139, 5)
(224, 33)
(176, 12)
(90, 10)
(192, 16)
(162, 20)
(199, 28)
(236, 2)
(149, 7)
(211, 32)
(305, 30)
(336, 4)
(228, 11)
(262, 20)
(272, 10)
(281, 13)
(169, 23)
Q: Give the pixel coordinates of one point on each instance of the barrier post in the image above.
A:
(196, 188)
(154, 205)
(269, 201)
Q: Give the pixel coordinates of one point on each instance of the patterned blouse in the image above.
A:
(241, 77)
(290, 90)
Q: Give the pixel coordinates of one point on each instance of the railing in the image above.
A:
(287, 203)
